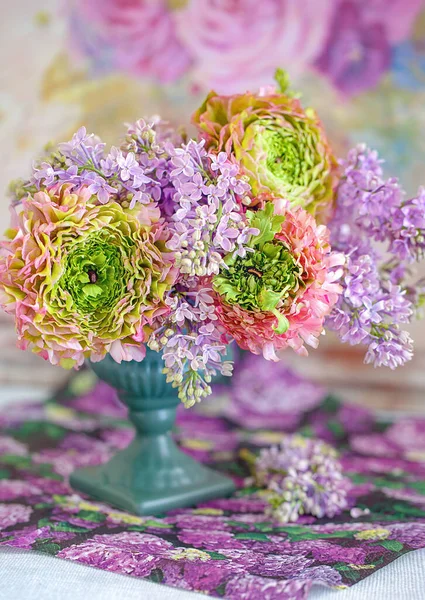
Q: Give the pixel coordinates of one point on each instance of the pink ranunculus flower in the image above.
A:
(238, 45)
(279, 294)
(137, 36)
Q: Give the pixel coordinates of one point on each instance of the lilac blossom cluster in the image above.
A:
(193, 344)
(130, 174)
(208, 221)
(381, 233)
(301, 476)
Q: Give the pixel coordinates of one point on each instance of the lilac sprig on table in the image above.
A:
(301, 476)
(382, 234)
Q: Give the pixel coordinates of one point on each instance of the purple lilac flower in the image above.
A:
(269, 395)
(252, 586)
(208, 221)
(198, 522)
(100, 554)
(136, 172)
(285, 565)
(9, 445)
(194, 575)
(28, 535)
(209, 540)
(12, 514)
(376, 301)
(321, 574)
(11, 489)
(193, 343)
(355, 419)
(408, 434)
(301, 476)
(324, 551)
(411, 534)
(102, 400)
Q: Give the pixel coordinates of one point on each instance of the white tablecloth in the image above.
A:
(26, 575)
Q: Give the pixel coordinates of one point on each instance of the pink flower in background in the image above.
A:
(238, 45)
(137, 36)
(358, 50)
(357, 53)
(397, 16)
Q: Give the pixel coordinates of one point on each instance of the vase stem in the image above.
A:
(152, 474)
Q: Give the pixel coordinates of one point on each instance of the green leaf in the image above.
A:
(392, 545)
(419, 486)
(406, 509)
(4, 474)
(293, 529)
(65, 526)
(259, 537)
(308, 535)
(93, 516)
(239, 524)
(283, 83)
(46, 546)
(336, 428)
(157, 524)
(217, 555)
(19, 462)
(330, 404)
(267, 222)
(156, 576)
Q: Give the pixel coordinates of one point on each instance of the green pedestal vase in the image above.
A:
(152, 474)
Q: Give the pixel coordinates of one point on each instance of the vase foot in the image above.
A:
(133, 483)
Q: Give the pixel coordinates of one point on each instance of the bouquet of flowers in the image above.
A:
(251, 232)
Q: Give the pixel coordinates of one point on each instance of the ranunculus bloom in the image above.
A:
(281, 148)
(279, 294)
(238, 45)
(82, 279)
(137, 36)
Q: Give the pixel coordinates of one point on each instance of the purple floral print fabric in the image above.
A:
(227, 547)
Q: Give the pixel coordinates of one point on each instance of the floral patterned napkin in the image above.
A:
(227, 547)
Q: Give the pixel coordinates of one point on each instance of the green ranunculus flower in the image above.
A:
(281, 148)
(82, 278)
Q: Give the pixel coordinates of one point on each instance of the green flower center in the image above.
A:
(262, 280)
(94, 274)
(285, 154)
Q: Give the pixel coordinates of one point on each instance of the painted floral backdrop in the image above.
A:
(102, 62)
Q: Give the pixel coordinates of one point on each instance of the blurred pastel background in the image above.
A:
(101, 63)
